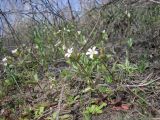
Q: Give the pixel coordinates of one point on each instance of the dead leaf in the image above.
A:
(125, 106)
(122, 107)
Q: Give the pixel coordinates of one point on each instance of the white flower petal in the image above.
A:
(87, 53)
(96, 52)
(67, 55)
(5, 64)
(4, 59)
(36, 47)
(63, 47)
(14, 51)
(68, 30)
(79, 32)
(103, 31)
(69, 52)
(90, 50)
(93, 48)
(91, 56)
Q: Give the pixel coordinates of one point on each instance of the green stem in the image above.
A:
(16, 83)
(108, 69)
(82, 67)
(12, 76)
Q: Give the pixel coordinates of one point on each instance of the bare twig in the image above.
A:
(155, 1)
(144, 84)
(13, 32)
(71, 11)
(90, 34)
(155, 119)
(130, 86)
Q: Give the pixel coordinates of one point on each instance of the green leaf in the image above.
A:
(65, 117)
(108, 78)
(99, 111)
(87, 89)
(102, 105)
(36, 77)
(54, 115)
(41, 110)
(130, 42)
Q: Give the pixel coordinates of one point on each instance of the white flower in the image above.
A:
(59, 31)
(79, 32)
(5, 64)
(69, 52)
(84, 41)
(91, 52)
(128, 14)
(14, 51)
(68, 30)
(36, 47)
(51, 86)
(4, 59)
(29, 49)
(63, 47)
(23, 45)
(103, 31)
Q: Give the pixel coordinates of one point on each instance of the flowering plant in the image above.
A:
(86, 65)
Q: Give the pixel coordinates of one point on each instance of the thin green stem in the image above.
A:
(108, 69)
(16, 84)
(12, 76)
